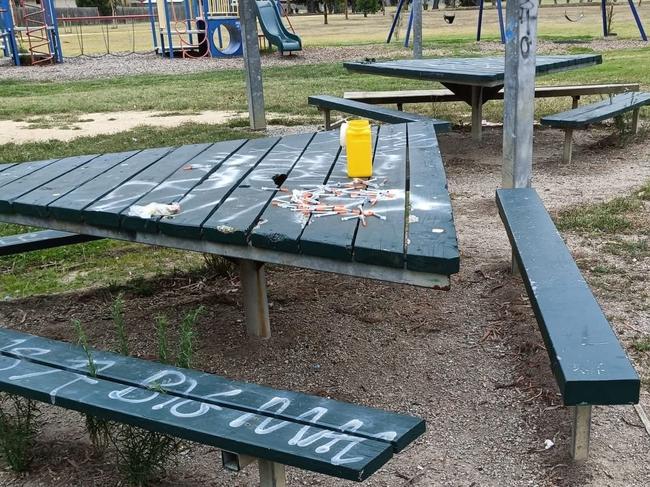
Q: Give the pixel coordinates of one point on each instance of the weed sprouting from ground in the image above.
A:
(186, 339)
(218, 266)
(143, 456)
(117, 313)
(19, 426)
(99, 430)
(162, 325)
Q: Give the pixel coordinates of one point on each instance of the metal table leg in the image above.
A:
(581, 433)
(256, 306)
(272, 474)
(477, 113)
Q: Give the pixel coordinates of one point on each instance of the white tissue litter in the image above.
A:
(548, 444)
(154, 209)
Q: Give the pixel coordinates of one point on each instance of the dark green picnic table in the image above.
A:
(227, 193)
(474, 80)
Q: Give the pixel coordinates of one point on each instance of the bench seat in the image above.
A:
(286, 428)
(443, 95)
(582, 117)
(327, 103)
(589, 363)
(45, 239)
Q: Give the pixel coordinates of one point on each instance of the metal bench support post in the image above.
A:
(568, 146)
(272, 474)
(635, 121)
(477, 113)
(580, 433)
(575, 100)
(256, 306)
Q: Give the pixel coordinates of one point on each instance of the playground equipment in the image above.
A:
(29, 33)
(269, 14)
(449, 19)
(212, 27)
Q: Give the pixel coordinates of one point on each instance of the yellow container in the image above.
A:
(359, 149)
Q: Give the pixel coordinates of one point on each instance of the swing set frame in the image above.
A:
(499, 9)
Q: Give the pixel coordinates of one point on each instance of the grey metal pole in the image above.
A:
(252, 65)
(417, 29)
(519, 99)
(256, 306)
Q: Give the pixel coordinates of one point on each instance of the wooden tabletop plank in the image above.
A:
(6, 166)
(346, 456)
(431, 244)
(331, 236)
(174, 188)
(240, 212)
(482, 71)
(284, 227)
(17, 171)
(106, 211)
(139, 373)
(36, 202)
(381, 242)
(22, 186)
(205, 198)
(69, 206)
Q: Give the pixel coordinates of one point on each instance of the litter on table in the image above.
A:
(353, 199)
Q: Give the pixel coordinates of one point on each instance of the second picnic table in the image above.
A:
(256, 201)
(473, 80)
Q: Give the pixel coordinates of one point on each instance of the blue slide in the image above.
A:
(274, 29)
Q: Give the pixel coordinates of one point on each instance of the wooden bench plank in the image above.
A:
(19, 187)
(374, 112)
(341, 455)
(284, 227)
(587, 359)
(46, 239)
(175, 188)
(69, 207)
(444, 95)
(36, 201)
(205, 198)
(431, 235)
(240, 212)
(332, 236)
(398, 430)
(17, 171)
(597, 112)
(106, 211)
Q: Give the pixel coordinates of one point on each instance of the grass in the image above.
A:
(642, 344)
(610, 217)
(138, 138)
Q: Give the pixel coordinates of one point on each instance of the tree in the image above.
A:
(105, 7)
(367, 6)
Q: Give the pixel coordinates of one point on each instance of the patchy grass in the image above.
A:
(637, 248)
(609, 217)
(641, 344)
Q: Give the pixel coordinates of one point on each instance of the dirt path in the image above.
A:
(64, 128)
(470, 361)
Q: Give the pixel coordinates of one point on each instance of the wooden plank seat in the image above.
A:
(327, 103)
(582, 117)
(400, 98)
(244, 420)
(589, 363)
(45, 239)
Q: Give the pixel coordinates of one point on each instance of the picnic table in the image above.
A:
(473, 80)
(235, 200)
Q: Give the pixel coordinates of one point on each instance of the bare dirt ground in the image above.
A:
(470, 361)
(62, 128)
